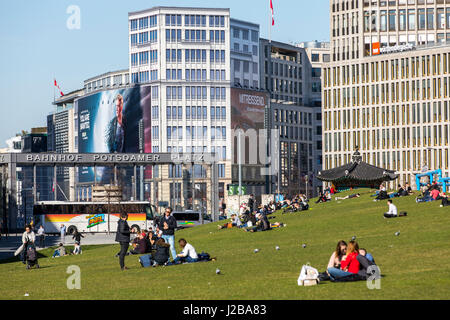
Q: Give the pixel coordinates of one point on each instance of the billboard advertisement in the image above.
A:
(110, 122)
(248, 113)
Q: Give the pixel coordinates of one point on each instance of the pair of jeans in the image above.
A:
(123, 251)
(388, 215)
(185, 259)
(336, 273)
(171, 240)
(56, 254)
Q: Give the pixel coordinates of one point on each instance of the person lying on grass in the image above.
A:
(357, 195)
(188, 254)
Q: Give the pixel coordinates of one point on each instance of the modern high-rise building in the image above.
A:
(295, 111)
(386, 89)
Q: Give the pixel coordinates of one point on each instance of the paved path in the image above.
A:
(9, 245)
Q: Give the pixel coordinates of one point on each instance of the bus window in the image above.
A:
(182, 216)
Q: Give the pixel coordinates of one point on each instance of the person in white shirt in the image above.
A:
(187, 255)
(392, 213)
(41, 236)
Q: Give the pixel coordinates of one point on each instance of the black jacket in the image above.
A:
(77, 236)
(161, 255)
(172, 222)
(123, 231)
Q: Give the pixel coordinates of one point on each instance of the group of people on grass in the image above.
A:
(402, 191)
(254, 218)
(160, 242)
(433, 192)
(349, 263)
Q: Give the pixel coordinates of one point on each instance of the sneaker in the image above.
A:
(441, 206)
(125, 268)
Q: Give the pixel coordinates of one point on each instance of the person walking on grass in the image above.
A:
(123, 237)
(168, 224)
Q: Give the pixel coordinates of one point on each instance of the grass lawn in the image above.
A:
(414, 265)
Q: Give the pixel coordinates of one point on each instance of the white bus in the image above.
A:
(90, 217)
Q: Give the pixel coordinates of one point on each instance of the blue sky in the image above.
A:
(36, 45)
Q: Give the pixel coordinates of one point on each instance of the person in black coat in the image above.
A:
(123, 237)
(161, 256)
(77, 236)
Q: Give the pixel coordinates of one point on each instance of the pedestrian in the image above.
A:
(123, 237)
(41, 236)
(77, 237)
(62, 231)
(168, 224)
(28, 239)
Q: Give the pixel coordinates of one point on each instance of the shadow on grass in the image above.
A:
(48, 252)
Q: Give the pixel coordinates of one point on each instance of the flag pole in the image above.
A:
(270, 22)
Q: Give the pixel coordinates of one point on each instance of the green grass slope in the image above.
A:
(414, 265)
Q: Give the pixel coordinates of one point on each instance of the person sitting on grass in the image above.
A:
(393, 212)
(162, 254)
(426, 194)
(445, 200)
(262, 224)
(349, 264)
(235, 222)
(188, 254)
(363, 252)
(338, 254)
(76, 249)
(357, 195)
(141, 245)
(60, 251)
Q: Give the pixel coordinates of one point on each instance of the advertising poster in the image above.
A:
(109, 122)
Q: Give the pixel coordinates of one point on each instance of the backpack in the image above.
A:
(204, 257)
(309, 276)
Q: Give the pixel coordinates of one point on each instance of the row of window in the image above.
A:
(195, 20)
(410, 137)
(287, 132)
(144, 76)
(245, 34)
(144, 23)
(289, 116)
(194, 55)
(403, 68)
(196, 133)
(143, 58)
(195, 93)
(387, 116)
(144, 38)
(195, 75)
(196, 113)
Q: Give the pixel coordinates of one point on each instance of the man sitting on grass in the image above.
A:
(188, 254)
(141, 245)
(60, 251)
(392, 213)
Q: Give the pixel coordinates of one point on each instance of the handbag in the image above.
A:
(309, 276)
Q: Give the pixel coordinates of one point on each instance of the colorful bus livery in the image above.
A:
(91, 216)
(95, 220)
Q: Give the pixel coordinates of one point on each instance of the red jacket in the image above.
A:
(351, 262)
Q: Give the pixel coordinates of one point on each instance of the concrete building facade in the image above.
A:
(386, 89)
